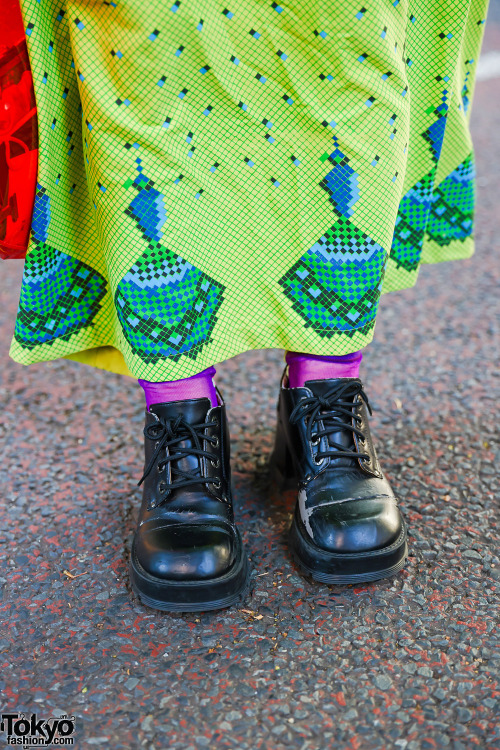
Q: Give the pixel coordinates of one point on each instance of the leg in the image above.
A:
(187, 553)
(347, 526)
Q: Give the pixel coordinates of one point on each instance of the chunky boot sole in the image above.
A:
(191, 596)
(346, 567)
(324, 566)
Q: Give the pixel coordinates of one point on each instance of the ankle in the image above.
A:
(304, 367)
(200, 385)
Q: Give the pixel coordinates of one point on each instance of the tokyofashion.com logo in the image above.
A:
(26, 731)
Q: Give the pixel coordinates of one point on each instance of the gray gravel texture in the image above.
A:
(404, 663)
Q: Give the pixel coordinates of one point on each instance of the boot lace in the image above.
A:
(168, 434)
(337, 410)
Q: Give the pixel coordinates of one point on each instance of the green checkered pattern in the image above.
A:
(239, 175)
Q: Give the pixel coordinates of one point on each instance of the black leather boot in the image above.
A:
(187, 554)
(347, 527)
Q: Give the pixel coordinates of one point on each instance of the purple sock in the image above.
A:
(303, 367)
(197, 386)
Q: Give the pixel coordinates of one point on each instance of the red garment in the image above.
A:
(18, 135)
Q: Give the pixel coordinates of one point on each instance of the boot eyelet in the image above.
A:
(162, 486)
(216, 442)
(215, 464)
(217, 485)
(316, 441)
(159, 468)
(318, 463)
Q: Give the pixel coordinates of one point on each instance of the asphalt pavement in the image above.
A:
(403, 663)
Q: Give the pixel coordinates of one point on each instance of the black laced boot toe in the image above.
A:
(187, 554)
(347, 525)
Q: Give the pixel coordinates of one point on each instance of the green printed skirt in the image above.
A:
(222, 176)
